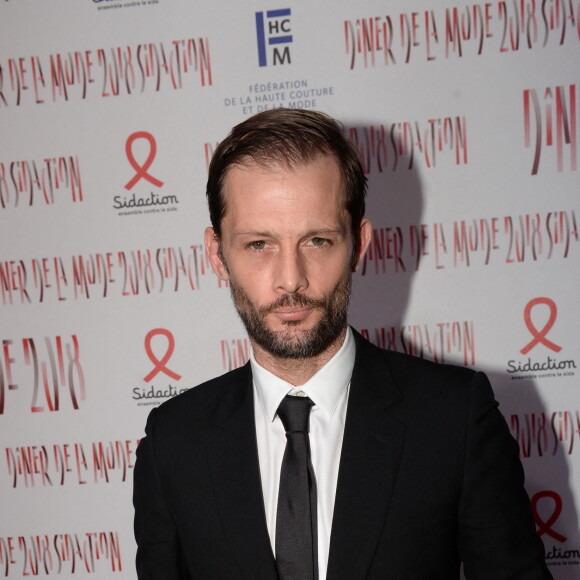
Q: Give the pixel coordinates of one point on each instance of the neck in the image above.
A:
(296, 371)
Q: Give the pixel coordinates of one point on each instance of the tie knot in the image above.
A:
(294, 412)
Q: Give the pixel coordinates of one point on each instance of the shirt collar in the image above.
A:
(325, 388)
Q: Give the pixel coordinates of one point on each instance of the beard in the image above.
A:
(293, 342)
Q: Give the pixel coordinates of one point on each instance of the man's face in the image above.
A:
(286, 249)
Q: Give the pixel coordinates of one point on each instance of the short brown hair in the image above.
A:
(290, 137)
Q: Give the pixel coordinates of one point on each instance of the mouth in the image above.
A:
(295, 314)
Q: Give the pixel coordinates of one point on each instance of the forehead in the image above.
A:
(316, 185)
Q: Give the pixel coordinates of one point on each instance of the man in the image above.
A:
(397, 468)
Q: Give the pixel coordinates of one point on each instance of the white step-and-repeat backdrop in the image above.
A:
(467, 116)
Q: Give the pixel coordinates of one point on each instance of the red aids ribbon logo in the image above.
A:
(141, 170)
(160, 364)
(540, 336)
(545, 527)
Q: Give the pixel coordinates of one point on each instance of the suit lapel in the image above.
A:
(369, 462)
(233, 462)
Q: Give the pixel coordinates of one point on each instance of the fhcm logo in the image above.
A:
(273, 30)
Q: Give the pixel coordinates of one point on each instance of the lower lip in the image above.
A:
(294, 314)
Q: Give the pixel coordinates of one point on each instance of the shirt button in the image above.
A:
(300, 394)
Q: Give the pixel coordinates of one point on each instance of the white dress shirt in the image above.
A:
(328, 389)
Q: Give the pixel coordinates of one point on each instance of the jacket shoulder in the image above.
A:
(200, 401)
(399, 360)
(402, 363)
(411, 373)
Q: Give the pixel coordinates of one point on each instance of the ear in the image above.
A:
(365, 236)
(212, 246)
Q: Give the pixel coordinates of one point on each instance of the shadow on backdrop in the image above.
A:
(381, 293)
(382, 286)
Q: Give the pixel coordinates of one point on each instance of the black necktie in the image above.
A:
(296, 532)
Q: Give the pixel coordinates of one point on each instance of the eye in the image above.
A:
(319, 242)
(257, 245)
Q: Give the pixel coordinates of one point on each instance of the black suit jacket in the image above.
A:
(429, 477)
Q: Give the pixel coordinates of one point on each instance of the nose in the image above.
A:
(290, 275)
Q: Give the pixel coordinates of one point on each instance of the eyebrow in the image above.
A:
(254, 233)
(314, 232)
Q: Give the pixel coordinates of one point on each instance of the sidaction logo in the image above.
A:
(545, 365)
(154, 201)
(154, 394)
(556, 555)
